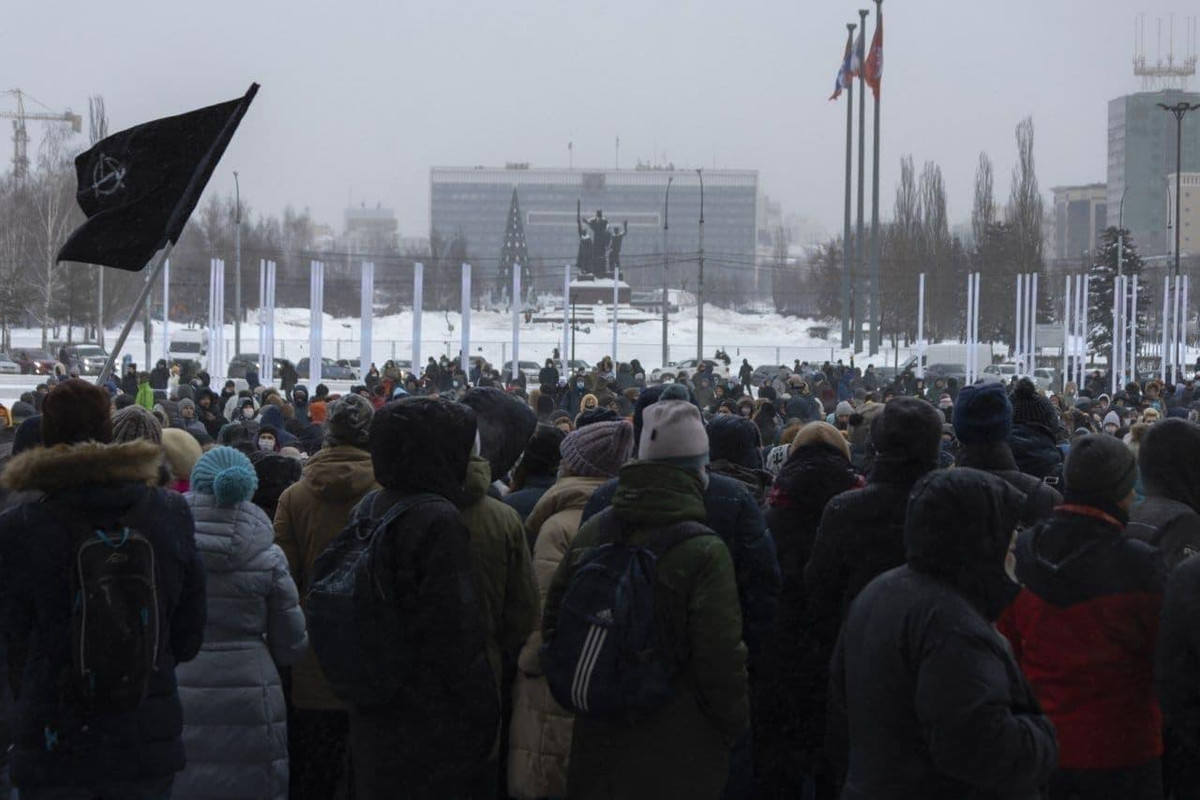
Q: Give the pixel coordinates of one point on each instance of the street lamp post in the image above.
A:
(1180, 110)
(237, 260)
(666, 227)
(700, 284)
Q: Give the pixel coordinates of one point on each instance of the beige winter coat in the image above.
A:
(540, 734)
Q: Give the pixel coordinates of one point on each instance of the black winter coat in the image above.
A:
(1176, 667)
(736, 518)
(58, 742)
(1040, 498)
(1036, 452)
(926, 694)
(792, 674)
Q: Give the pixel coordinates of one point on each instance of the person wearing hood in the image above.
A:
(188, 420)
(129, 381)
(926, 698)
(536, 472)
(63, 746)
(437, 734)
(791, 683)
(1036, 433)
(1169, 517)
(500, 559)
(182, 451)
(160, 376)
(540, 733)
(272, 416)
(683, 748)
(145, 393)
(735, 450)
(983, 422)
(300, 403)
(1085, 626)
(235, 747)
(276, 472)
(310, 513)
(208, 413)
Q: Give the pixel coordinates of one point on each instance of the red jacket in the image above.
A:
(1084, 631)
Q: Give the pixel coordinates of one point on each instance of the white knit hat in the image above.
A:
(673, 431)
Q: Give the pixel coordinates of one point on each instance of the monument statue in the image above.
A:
(599, 245)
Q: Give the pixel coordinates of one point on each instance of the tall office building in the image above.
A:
(1141, 157)
(1078, 218)
(474, 203)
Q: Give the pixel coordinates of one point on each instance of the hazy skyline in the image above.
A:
(359, 100)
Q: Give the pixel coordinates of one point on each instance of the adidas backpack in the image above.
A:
(353, 621)
(604, 657)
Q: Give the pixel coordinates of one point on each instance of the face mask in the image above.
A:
(579, 386)
(266, 443)
(248, 412)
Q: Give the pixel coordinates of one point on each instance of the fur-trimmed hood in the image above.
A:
(52, 469)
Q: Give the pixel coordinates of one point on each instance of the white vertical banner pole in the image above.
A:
(615, 306)
(972, 290)
(221, 354)
(1178, 356)
(1183, 321)
(1084, 316)
(1166, 310)
(566, 337)
(269, 342)
(1124, 341)
(211, 357)
(316, 277)
(975, 319)
(1019, 328)
(1132, 324)
(366, 317)
(1066, 361)
(166, 329)
(465, 356)
(1033, 306)
(920, 325)
(516, 320)
(418, 306)
(1113, 361)
(262, 310)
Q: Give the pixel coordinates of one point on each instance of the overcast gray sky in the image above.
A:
(363, 97)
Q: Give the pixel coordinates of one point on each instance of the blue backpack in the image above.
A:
(605, 656)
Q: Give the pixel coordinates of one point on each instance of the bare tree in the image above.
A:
(983, 212)
(53, 196)
(1025, 202)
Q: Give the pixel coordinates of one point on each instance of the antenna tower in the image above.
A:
(1171, 72)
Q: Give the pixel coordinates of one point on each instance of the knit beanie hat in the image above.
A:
(349, 421)
(673, 432)
(317, 412)
(592, 416)
(597, 450)
(28, 435)
(185, 404)
(1112, 418)
(542, 455)
(134, 422)
(908, 429)
(183, 451)
(1030, 407)
(75, 411)
(983, 414)
(226, 474)
(844, 409)
(735, 439)
(1100, 471)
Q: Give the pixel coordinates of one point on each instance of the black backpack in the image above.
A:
(605, 657)
(353, 620)
(115, 611)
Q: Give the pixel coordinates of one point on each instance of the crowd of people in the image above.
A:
(821, 584)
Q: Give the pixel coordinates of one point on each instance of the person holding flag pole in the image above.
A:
(137, 189)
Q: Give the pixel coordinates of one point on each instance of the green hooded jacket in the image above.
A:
(145, 396)
(683, 749)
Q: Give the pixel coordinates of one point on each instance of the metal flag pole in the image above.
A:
(860, 247)
(876, 311)
(465, 341)
(418, 306)
(156, 264)
(366, 317)
(516, 321)
(847, 244)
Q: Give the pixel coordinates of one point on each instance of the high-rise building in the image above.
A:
(371, 229)
(474, 203)
(1189, 213)
(1078, 218)
(1141, 156)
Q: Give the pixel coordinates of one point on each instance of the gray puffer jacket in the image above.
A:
(235, 720)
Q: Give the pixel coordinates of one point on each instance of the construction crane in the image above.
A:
(20, 160)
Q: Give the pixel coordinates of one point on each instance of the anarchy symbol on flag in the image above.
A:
(108, 176)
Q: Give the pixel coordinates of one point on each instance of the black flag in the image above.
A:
(138, 187)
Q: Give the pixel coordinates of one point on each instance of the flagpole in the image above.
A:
(876, 312)
(156, 264)
(860, 248)
(847, 247)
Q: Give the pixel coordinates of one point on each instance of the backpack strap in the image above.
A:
(663, 540)
(395, 512)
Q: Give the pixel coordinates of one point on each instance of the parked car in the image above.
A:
(956, 371)
(1000, 372)
(187, 347)
(1045, 378)
(86, 359)
(33, 361)
(765, 373)
(8, 366)
(682, 370)
(529, 368)
(330, 370)
(244, 361)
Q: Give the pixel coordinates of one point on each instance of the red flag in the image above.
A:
(874, 70)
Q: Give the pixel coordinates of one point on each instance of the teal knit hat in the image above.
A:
(226, 474)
